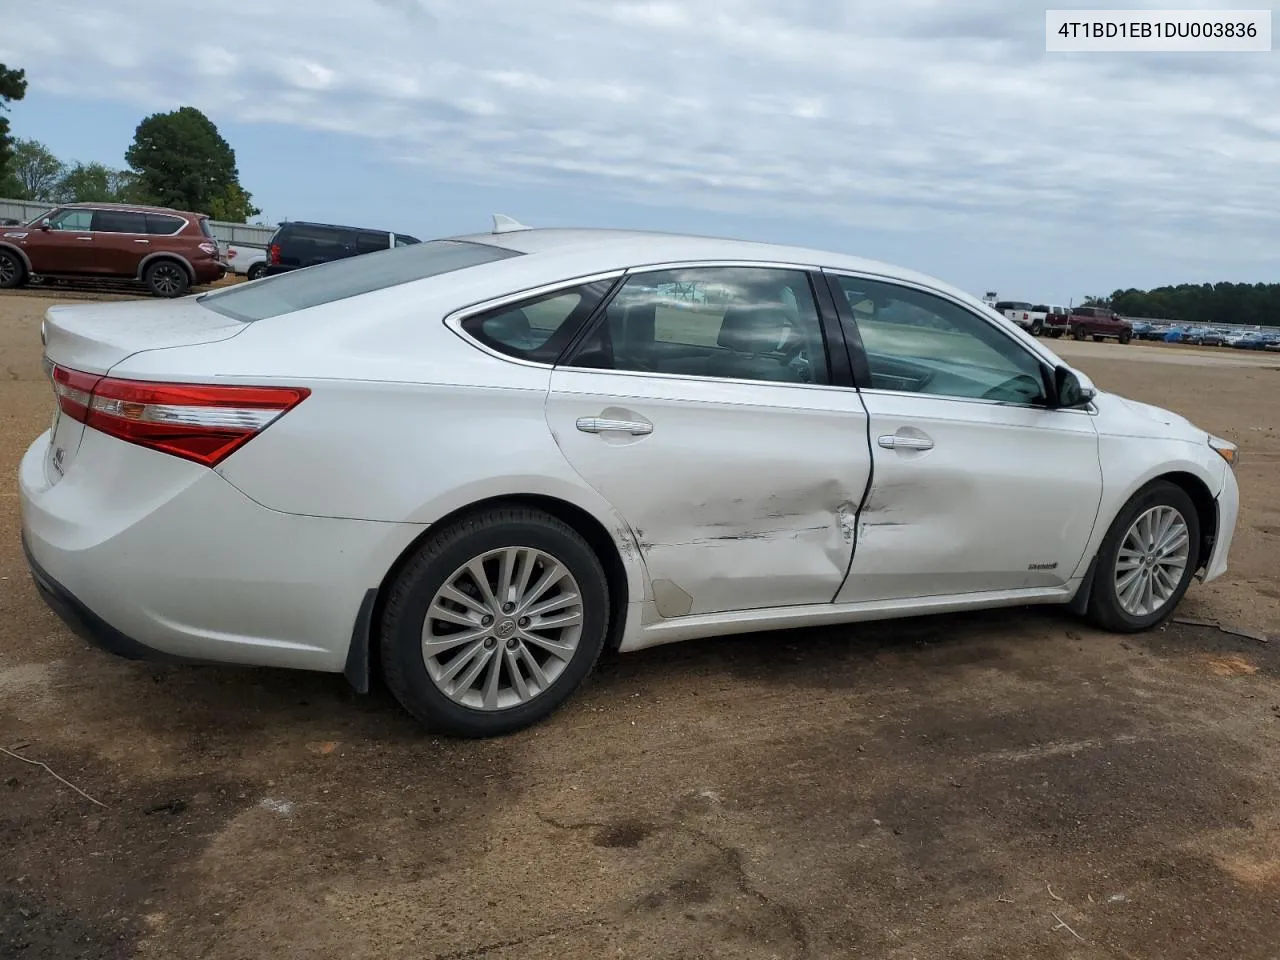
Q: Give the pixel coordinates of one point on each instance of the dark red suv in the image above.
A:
(1099, 323)
(168, 250)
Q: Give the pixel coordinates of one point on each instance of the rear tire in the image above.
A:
(257, 271)
(1077, 333)
(428, 665)
(166, 278)
(12, 270)
(1110, 606)
(1037, 328)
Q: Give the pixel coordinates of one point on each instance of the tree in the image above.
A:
(235, 205)
(96, 183)
(182, 161)
(13, 86)
(34, 171)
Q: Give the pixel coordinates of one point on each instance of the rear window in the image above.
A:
(1040, 308)
(350, 277)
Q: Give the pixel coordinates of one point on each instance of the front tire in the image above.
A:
(166, 278)
(494, 622)
(1146, 561)
(12, 270)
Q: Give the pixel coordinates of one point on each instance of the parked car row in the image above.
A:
(169, 251)
(1208, 336)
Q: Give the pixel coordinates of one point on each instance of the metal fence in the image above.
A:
(245, 234)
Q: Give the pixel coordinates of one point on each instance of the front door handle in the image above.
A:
(637, 428)
(892, 441)
(84, 238)
(141, 241)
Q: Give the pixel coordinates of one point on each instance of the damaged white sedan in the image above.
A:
(475, 463)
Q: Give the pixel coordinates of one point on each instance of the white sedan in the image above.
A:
(474, 464)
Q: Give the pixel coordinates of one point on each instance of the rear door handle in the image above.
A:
(891, 441)
(141, 241)
(84, 238)
(637, 428)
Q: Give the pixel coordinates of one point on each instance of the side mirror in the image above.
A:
(1069, 392)
(46, 224)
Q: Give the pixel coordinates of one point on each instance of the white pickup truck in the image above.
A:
(1035, 318)
(249, 262)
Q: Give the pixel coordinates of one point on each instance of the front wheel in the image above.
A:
(1146, 561)
(1124, 337)
(494, 622)
(12, 270)
(166, 278)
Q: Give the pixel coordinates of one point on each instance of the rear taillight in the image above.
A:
(201, 422)
(275, 253)
(210, 248)
(1025, 317)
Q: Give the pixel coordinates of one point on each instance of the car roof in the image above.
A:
(333, 226)
(131, 208)
(599, 250)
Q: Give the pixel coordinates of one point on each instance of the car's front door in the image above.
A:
(978, 486)
(703, 406)
(66, 246)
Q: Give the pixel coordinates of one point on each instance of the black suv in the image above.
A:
(300, 244)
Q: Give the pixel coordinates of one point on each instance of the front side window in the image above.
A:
(79, 220)
(539, 328)
(917, 342)
(746, 323)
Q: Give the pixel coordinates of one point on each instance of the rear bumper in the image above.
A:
(149, 556)
(82, 621)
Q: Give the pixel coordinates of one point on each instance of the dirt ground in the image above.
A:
(995, 786)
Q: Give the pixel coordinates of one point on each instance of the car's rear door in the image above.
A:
(706, 407)
(120, 241)
(978, 486)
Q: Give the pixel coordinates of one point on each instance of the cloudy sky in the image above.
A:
(937, 134)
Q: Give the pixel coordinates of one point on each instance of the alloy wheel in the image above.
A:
(167, 279)
(502, 628)
(8, 271)
(1152, 559)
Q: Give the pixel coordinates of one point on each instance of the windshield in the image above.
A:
(350, 277)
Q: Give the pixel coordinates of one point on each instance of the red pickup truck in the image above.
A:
(1100, 323)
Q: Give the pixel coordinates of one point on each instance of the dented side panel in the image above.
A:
(1005, 498)
(740, 496)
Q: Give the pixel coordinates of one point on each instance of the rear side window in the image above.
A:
(348, 277)
(161, 225)
(370, 242)
(539, 328)
(119, 221)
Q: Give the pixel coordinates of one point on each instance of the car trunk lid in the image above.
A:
(93, 338)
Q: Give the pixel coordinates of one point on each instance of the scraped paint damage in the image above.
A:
(793, 548)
